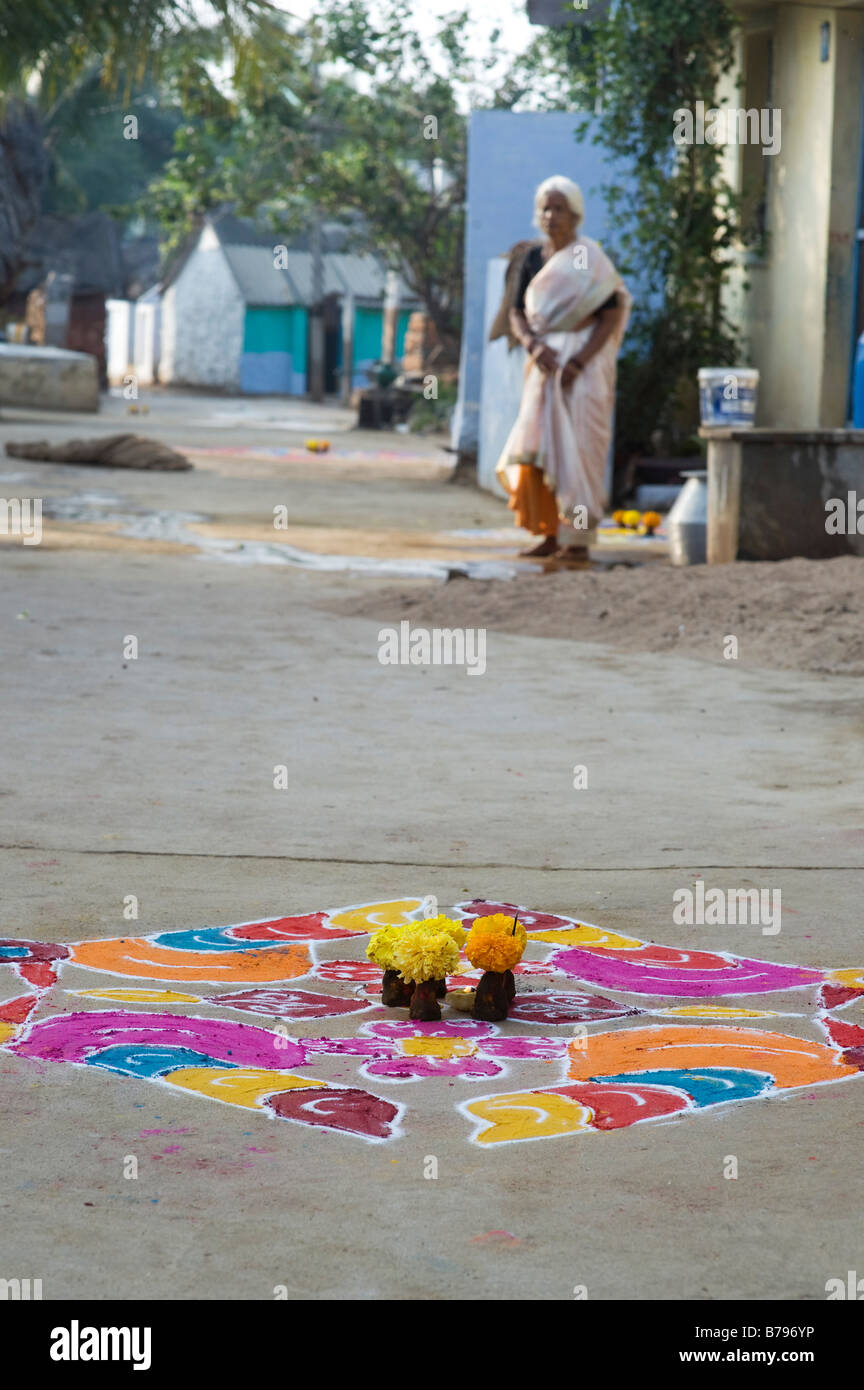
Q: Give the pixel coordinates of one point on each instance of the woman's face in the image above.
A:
(557, 218)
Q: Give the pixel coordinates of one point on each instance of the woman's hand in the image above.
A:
(545, 357)
(569, 373)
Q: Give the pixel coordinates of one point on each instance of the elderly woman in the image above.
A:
(568, 306)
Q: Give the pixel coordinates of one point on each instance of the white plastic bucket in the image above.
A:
(727, 396)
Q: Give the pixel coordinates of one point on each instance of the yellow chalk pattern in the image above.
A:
(528, 1116)
(141, 996)
(237, 1085)
(373, 915)
(715, 1011)
(854, 977)
(438, 1047)
(586, 936)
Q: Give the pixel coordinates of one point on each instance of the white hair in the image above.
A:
(559, 183)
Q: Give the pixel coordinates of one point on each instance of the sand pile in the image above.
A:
(805, 615)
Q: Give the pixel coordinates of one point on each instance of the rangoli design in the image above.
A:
(211, 1015)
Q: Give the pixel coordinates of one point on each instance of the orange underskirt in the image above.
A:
(534, 504)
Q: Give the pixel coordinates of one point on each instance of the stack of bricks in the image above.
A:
(421, 339)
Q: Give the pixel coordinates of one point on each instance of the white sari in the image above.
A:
(566, 434)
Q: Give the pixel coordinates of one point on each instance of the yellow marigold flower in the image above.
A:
(420, 955)
(456, 932)
(493, 945)
(380, 947)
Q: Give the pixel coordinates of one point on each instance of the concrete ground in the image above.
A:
(154, 777)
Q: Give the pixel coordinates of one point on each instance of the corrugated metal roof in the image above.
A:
(262, 283)
(258, 277)
(299, 268)
(249, 250)
(239, 231)
(362, 275)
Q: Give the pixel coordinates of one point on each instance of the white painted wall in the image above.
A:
(144, 359)
(203, 316)
(152, 297)
(501, 384)
(118, 338)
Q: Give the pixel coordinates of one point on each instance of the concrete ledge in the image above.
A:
(48, 378)
(768, 492)
(765, 435)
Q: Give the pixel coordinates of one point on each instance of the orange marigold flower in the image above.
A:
(494, 945)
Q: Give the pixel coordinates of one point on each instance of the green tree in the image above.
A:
(675, 220)
(53, 55)
(368, 121)
(89, 167)
(393, 149)
(58, 39)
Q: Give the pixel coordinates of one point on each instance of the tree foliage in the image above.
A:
(674, 220)
(58, 39)
(57, 56)
(23, 167)
(367, 120)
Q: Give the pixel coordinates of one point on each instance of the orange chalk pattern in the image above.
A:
(790, 1061)
(144, 960)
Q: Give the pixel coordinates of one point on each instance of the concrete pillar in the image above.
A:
(799, 309)
(391, 317)
(58, 292)
(347, 347)
(316, 317)
(724, 499)
(798, 217)
(840, 312)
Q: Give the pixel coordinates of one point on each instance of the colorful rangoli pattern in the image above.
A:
(665, 1048)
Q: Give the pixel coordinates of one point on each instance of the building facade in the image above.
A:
(799, 302)
(236, 305)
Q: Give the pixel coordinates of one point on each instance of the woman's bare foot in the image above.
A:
(548, 546)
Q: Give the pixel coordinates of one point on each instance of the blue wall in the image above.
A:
(509, 153)
(273, 361)
(368, 338)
